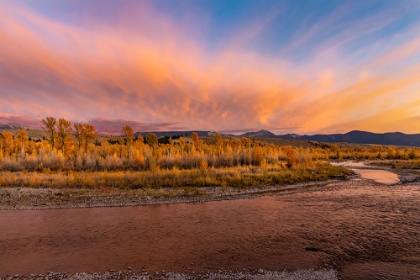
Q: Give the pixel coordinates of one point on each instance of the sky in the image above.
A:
(294, 66)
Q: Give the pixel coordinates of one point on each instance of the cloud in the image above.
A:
(147, 72)
(105, 126)
(30, 121)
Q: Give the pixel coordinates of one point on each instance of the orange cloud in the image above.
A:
(103, 73)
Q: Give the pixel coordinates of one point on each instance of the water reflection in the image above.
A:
(380, 176)
(343, 224)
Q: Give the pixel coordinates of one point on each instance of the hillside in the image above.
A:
(363, 137)
(352, 137)
(177, 133)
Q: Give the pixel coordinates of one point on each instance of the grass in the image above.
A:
(399, 164)
(189, 180)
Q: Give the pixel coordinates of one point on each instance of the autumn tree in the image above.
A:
(89, 135)
(219, 143)
(85, 134)
(257, 155)
(49, 124)
(64, 139)
(128, 134)
(152, 139)
(198, 144)
(7, 144)
(246, 142)
(23, 140)
(290, 157)
(78, 134)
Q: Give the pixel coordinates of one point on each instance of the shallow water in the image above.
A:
(350, 164)
(380, 176)
(369, 172)
(344, 226)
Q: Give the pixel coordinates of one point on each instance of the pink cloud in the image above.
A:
(155, 77)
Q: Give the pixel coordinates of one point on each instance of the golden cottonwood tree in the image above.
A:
(128, 134)
(7, 143)
(49, 123)
(89, 135)
(84, 134)
(64, 139)
(22, 138)
(78, 134)
(152, 139)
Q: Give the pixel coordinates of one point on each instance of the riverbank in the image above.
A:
(61, 198)
(337, 226)
(33, 190)
(29, 198)
(260, 274)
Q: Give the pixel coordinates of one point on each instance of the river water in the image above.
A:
(365, 231)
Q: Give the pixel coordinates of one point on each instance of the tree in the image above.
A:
(49, 123)
(23, 140)
(246, 142)
(219, 143)
(8, 143)
(198, 144)
(152, 139)
(85, 134)
(78, 133)
(64, 140)
(290, 157)
(128, 134)
(89, 134)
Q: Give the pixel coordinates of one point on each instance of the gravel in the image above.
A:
(304, 274)
(53, 198)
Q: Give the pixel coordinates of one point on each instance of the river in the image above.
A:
(364, 230)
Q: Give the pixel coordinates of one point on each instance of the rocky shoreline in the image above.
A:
(260, 274)
(63, 198)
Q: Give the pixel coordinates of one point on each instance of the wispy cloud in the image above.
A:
(151, 74)
(105, 126)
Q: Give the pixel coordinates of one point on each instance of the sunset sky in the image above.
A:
(293, 66)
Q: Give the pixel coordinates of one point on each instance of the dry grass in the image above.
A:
(399, 164)
(189, 180)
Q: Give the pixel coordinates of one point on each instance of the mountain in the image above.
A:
(362, 137)
(177, 133)
(13, 126)
(260, 133)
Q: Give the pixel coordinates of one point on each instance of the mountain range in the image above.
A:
(177, 133)
(13, 126)
(356, 136)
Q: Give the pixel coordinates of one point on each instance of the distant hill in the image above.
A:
(260, 133)
(13, 126)
(362, 137)
(355, 137)
(177, 133)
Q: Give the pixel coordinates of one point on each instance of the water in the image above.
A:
(369, 172)
(351, 226)
(380, 176)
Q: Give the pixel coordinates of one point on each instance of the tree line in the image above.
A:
(75, 147)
